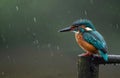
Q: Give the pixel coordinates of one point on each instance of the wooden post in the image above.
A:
(88, 66)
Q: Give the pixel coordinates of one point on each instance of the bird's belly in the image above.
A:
(85, 45)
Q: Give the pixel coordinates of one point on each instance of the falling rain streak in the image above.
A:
(117, 26)
(34, 19)
(10, 26)
(91, 1)
(3, 38)
(49, 45)
(58, 48)
(36, 42)
(17, 8)
(7, 46)
(85, 12)
(2, 73)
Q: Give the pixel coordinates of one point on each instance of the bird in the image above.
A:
(88, 38)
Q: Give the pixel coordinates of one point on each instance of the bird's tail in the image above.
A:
(104, 55)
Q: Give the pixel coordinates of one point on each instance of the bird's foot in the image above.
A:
(86, 54)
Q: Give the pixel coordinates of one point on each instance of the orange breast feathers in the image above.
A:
(85, 45)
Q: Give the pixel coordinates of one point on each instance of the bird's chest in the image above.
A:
(84, 44)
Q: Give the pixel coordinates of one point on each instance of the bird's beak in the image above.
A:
(65, 29)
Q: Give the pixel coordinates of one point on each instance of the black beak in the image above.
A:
(65, 29)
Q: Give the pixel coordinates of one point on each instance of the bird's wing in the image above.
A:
(96, 39)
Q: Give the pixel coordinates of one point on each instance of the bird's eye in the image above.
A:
(73, 27)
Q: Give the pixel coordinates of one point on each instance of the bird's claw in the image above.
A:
(86, 54)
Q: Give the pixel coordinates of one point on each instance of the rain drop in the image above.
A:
(58, 48)
(33, 34)
(7, 46)
(85, 12)
(91, 1)
(36, 42)
(10, 26)
(49, 45)
(8, 57)
(34, 19)
(117, 26)
(3, 38)
(3, 73)
(17, 8)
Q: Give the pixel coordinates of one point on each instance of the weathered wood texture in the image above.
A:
(88, 67)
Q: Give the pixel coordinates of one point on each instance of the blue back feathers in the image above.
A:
(96, 39)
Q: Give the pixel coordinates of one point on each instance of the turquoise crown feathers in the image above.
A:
(86, 22)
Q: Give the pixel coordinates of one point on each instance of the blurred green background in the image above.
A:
(31, 47)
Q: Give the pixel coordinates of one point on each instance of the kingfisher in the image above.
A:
(88, 38)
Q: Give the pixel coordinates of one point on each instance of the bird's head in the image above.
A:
(81, 25)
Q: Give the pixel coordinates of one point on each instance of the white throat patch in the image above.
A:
(76, 32)
(88, 29)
